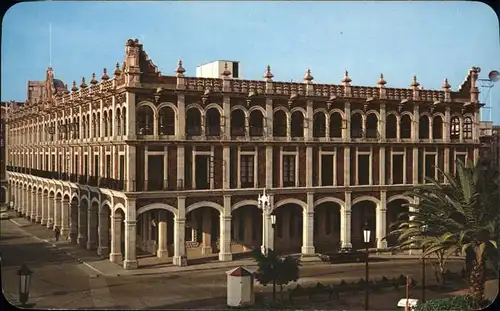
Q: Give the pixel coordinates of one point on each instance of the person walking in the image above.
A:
(57, 233)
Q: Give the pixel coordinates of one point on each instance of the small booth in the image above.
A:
(240, 287)
(408, 304)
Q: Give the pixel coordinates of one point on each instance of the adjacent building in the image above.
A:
(173, 165)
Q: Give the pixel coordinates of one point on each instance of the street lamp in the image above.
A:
(265, 205)
(24, 284)
(366, 238)
(424, 230)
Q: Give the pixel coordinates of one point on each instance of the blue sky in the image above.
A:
(398, 39)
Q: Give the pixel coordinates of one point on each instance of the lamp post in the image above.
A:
(424, 230)
(24, 284)
(265, 205)
(273, 224)
(366, 238)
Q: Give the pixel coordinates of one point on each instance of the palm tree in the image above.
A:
(461, 215)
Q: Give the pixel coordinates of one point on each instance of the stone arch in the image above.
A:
(149, 104)
(171, 105)
(196, 106)
(153, 206)
(399, 197)
(366, 198)
(105, 202)
(216, 106)
(286, 111)
(196, 205)
(330, 199)
(59, 192)
(294, 109)
(242, 108)
(320, 119)
(244, 203)
(75, 195)
(425, 113)
(336, 110)
(407, 113)
(121, 207)
(94, 200)
(84, 198)
(67, 194)
(213, 121)
(253, 108)
(291, 201)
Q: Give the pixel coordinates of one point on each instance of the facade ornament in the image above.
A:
(268, 76)
(446, 86)
(365, 106)
(226, 73)
(105, 76)
(179, 72)
(414, 85)
(74, 88)
(347, 80)
(83, 84)
(308, 77)
(400, 107)
(66, 91)
(117, 71)
(158, 94)
(93, 81)
(381, 82)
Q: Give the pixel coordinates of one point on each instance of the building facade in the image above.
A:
(173, 165)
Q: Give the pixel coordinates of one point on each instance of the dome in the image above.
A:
(59, 86)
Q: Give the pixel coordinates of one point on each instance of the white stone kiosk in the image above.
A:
(240, 291)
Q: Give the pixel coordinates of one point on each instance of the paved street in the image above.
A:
(62, 280)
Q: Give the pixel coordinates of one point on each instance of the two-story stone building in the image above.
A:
(173, 165)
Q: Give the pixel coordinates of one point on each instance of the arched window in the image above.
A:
(213, 122)
(455, 128)
(145, 120)
(405, 127)
(336, 125)
(237, 122)
(467, 128)
(371, 126)
(256, 123)
(437, 128)
(391, 126)
(279, 123)
(319, 124)
(356, 126)
(423, 127)
(297, 124)
(193, 122)
(166, 121)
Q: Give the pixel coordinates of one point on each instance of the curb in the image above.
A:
(58, 248)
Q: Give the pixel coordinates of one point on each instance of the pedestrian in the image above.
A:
(57, 233)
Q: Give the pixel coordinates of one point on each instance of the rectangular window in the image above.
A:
(289, 170)
(96, 166)
(420, 166)
(53, 168)
(202, 167)
(46, 166)
(327, 170)
(122, 167)
(364, 169)
(430, 169)
(397, 169)
(246, 171)
(108, 166)
(75, 165)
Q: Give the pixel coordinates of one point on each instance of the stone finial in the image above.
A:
(381, 82)
(308, 77)
(415, 83)
(66, 91)
(83, 84)
(268, 75)
(446, 86)
(180, 70)
(117, 71)
(74, 88)
(105, 76)
(93, 81)
(346, 79)
(226, 73)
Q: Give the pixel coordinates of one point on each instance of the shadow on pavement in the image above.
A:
(36, 252)
(215, 303)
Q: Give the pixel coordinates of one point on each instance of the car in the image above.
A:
(4, 216)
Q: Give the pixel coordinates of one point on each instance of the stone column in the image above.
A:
(309, 162)
(345, 222)
(65, 218)
(225, 231)
(347, 166)
(267, 228)
(40, 212)
(82, 224)
(381, 214)
(49, 200)
(73, 228)
(179, 232)
(269, 166)
(103, 231)
(57, 202)
(92, 227)
(130, 261)
(34, 205)
(206, 226)
(308, 227)
(162, 251)
(116, 238)
(247, 231)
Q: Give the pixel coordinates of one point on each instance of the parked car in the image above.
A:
(343, 256)
(4, 216)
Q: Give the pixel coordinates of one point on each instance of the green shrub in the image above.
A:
(457, 303)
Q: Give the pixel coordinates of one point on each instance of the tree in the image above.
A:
(460, 215)
(275, 270)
